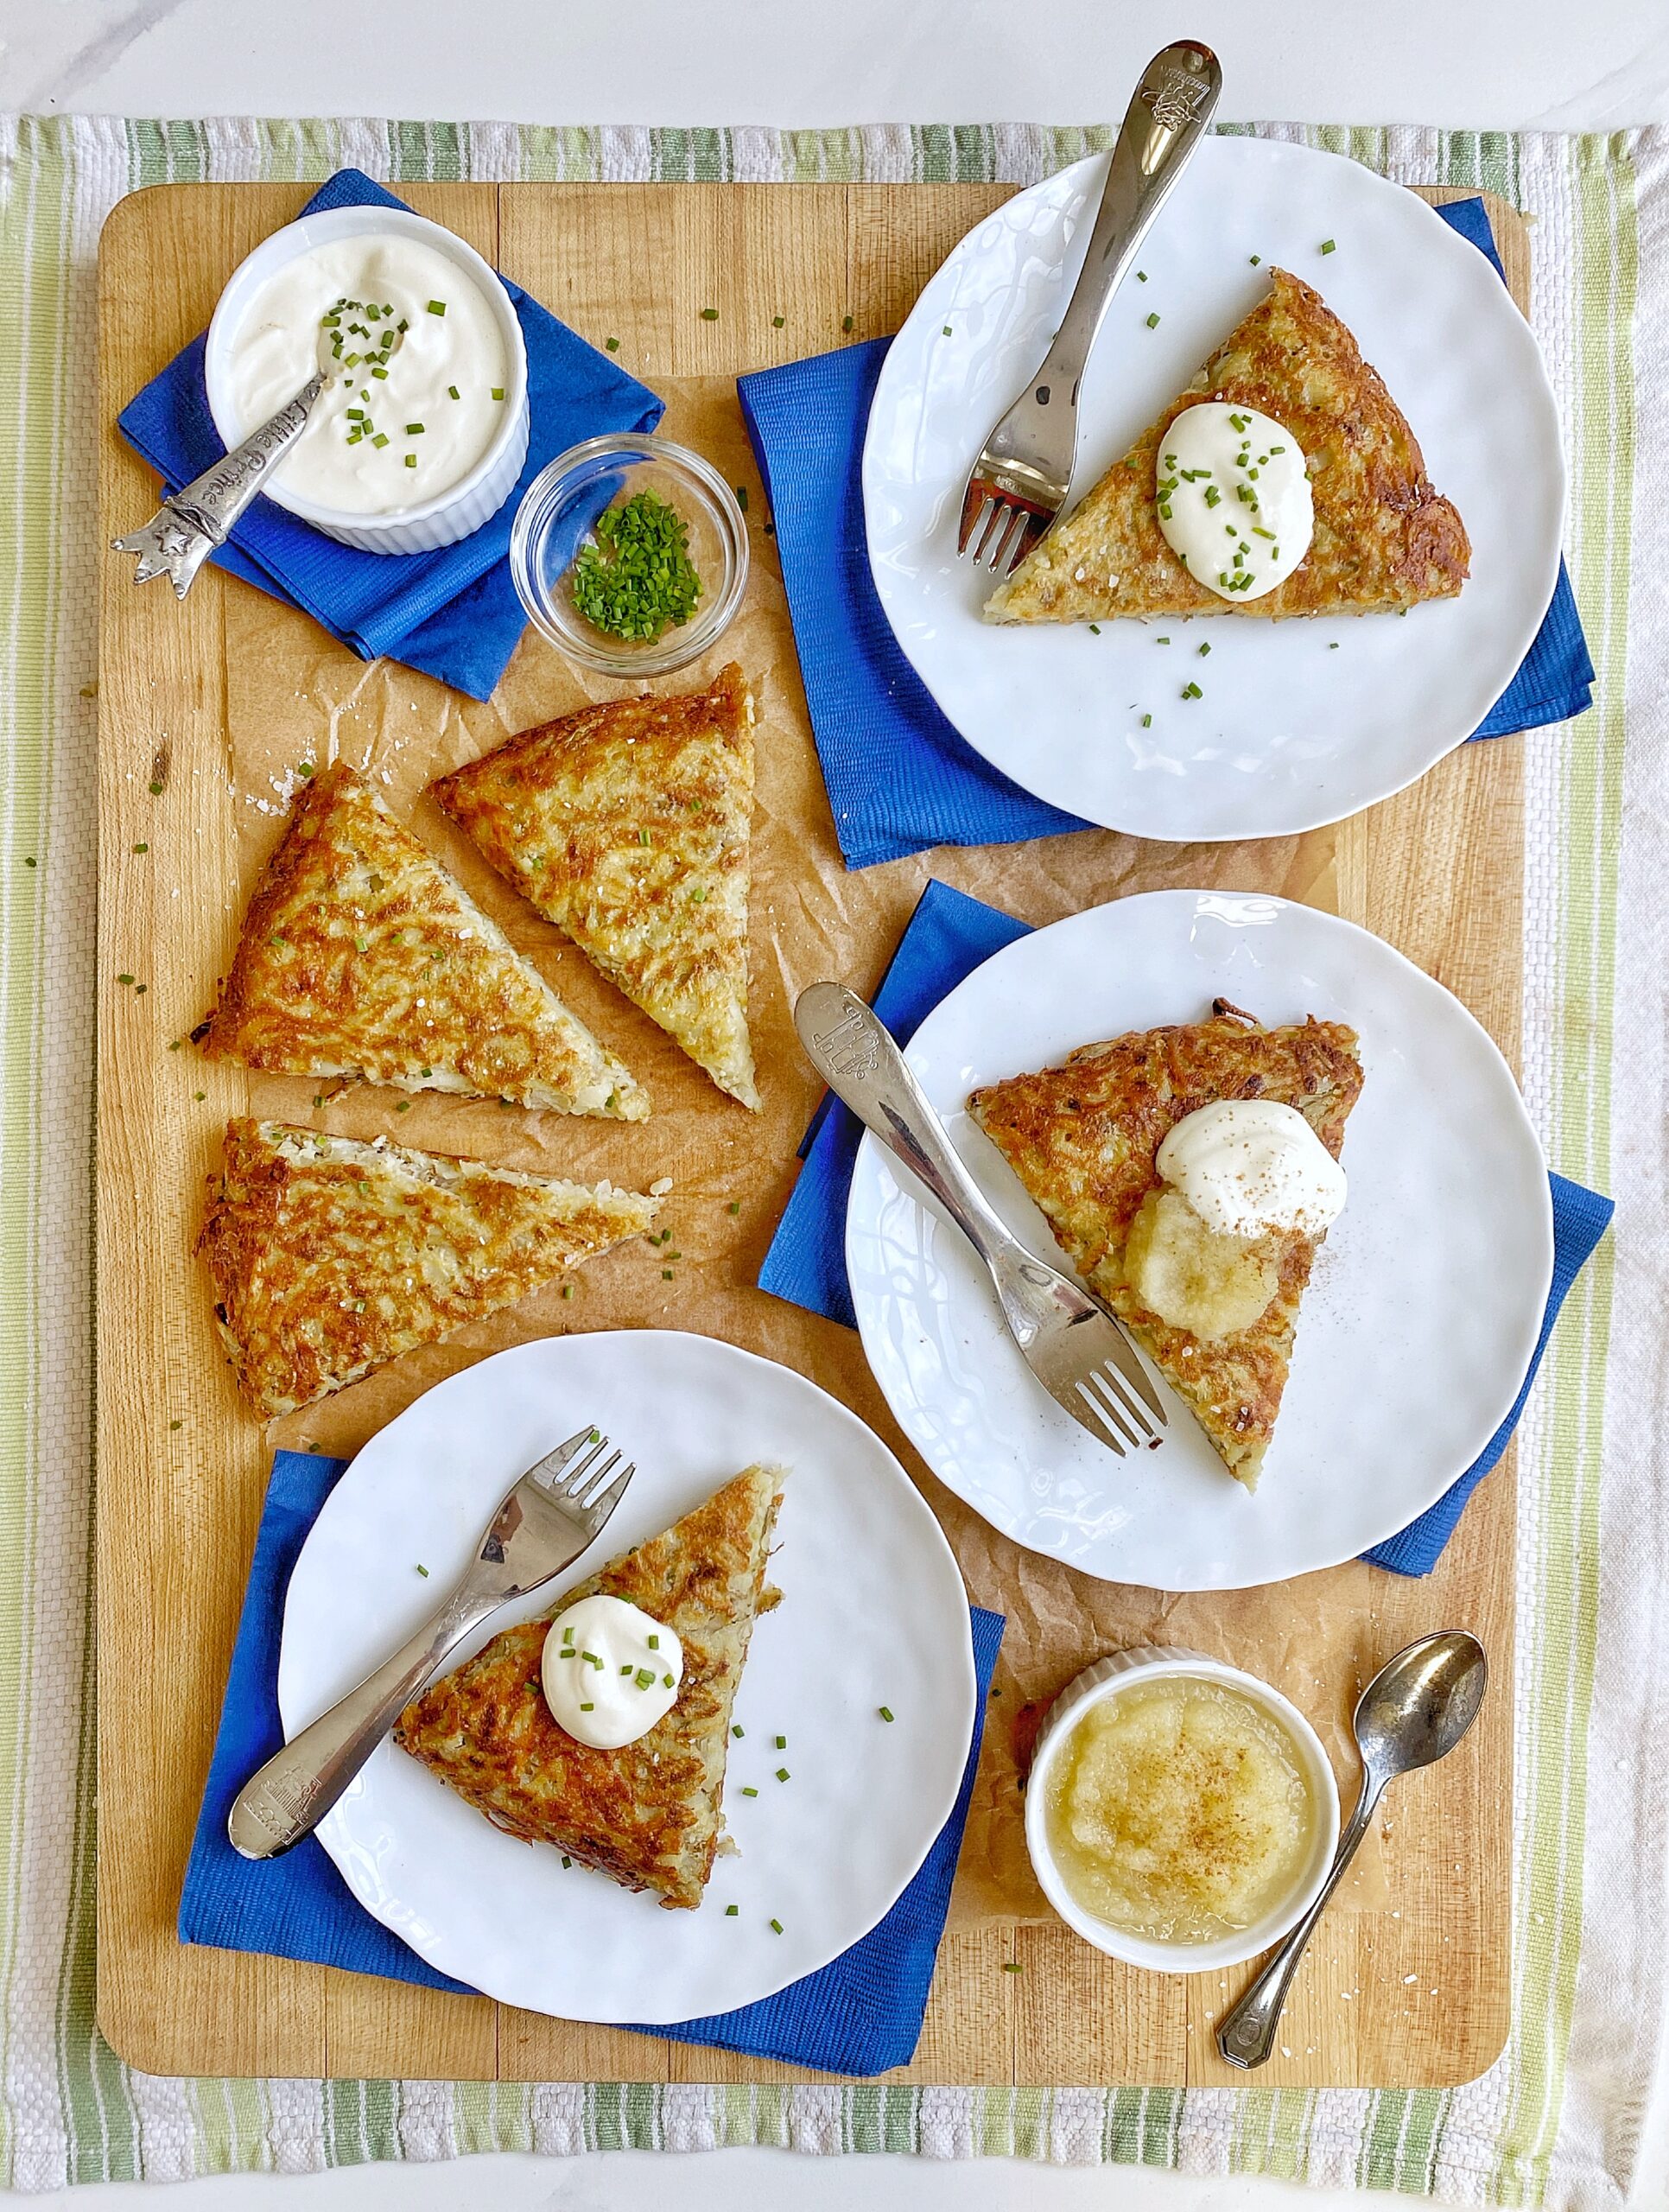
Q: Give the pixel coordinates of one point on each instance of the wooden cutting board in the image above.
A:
(1407, 1983)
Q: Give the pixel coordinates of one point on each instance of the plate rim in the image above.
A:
(1321, 813)
(871, 1159)
(343, 1858)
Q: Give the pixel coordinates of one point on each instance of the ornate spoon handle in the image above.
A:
(188, 527)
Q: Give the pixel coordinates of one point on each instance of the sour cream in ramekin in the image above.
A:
(421, 433)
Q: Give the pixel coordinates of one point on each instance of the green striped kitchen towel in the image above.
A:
(1554, 2121)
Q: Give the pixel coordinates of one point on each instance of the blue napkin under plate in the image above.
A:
(949, 936)
(899, 777)
(861, 2014)
(452, 613)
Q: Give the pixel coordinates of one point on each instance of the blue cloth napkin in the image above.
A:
(452, 613)
(949, 936)
(899, 777)
(860, 2014)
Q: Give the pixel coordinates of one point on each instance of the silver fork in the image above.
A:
(554, 1513)
(1020, 481)
(1073, 1345)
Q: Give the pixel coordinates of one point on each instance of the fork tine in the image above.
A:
(595, 1478)
(573, 1480)
(1110, 1407)
(1112, 1385)
(991, 552)
(991, 516)
(1104, 1416)
(554, 1463)
(605, 1501)
(1013, 543)
(1022, 541)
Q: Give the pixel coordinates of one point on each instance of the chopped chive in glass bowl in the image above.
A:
(629, 555)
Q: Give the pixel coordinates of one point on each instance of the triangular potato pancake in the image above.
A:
(649, 1813)
(626, 825)
(330, 1256)
(360, 955)
(1082, 1139)
(1384, 540)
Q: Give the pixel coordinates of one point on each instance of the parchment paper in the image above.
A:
(295, 696)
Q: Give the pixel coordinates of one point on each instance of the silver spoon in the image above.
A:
(1413, 1713)
(197, 518)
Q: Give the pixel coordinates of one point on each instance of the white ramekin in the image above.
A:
(1105, 1679)
(464, 506)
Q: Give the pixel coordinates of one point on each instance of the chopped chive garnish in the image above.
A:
(636, 579)
(782, 1742)
(588, 1709)
(435, 306)
(1141, 275)
(709, 314)
(777, 1927)
(778, 320)
(886, 1712)
(1328, 245)
(654, 1642)
(731, 1911)
(1010, 1966)
(1204, 651)
(1334, 647)
(452, 392)
(1192, 691)
(137, 848)
(412, 461)
(381, 438)
(1256, 259)
(735, 1206)
(644, 1677)
(1162, 641)
(750, 1793)
(846, 322)
(667, 1680)
(566, 1861)
(627, 1669)
(736, 1728)
(1152, 322)
(497, 392)
(945, 333)
(1147, 723)
(414, 429)
(423, 1571)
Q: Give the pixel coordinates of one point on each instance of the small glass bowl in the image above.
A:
(557, 517)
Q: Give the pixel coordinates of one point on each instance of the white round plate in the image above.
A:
(873, 1613)
(1420, 1317)
(1288, 733)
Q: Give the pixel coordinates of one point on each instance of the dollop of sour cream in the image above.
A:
(609, 1672)
(418, 376)
(1247, 1166)
(1234, 498)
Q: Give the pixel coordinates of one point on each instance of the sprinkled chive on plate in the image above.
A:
(1298, 723)
(833, 1801)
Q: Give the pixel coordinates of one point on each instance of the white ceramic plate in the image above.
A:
(1419, 1320)
(873, 1613)
(1288, 733)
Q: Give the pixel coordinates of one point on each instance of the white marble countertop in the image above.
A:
(1600, 66)
(1485, 64)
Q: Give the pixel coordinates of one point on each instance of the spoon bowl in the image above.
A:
(1413, 1713)
(1421, 1703)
